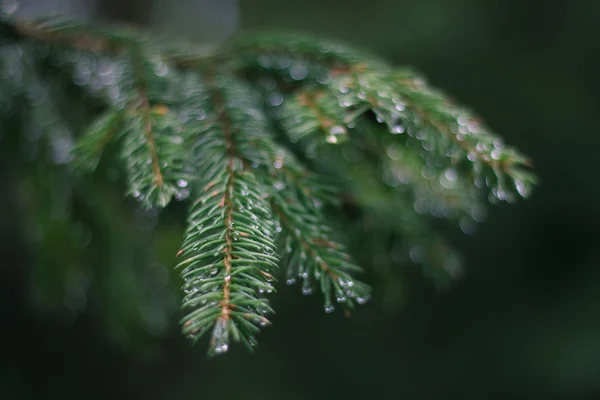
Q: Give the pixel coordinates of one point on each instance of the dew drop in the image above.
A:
(290, 281)
(275, 99)
(468, 225)
(298, 72)
(221, 349)
(462, 120)
(451, 174)
(398, 129)
(265, 61)
(329, 309)
(400, 106)
(182, 183)
(416, 254)
(522, 189)
(338, 130)
(9, 6)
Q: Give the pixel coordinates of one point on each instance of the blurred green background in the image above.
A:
(524, 321)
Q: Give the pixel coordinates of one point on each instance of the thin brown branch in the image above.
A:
(227, 200)
(309, 100)
(80, 40)
(144, 107)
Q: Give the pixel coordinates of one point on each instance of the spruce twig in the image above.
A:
(205, 126)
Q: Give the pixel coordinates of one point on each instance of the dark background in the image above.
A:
(525, 318)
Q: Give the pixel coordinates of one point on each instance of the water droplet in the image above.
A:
(398, 129)
(307, 290)
(278, 163)
(341, 299)
(8, 7)
(161, 69)
(182, 183)
(462, 120)
(265, 61)
(279, 185)
(221, 349)
(190, 290)
(478, 213)
(451, 174)
(522, 189)
(235, 235)
(329, 309)
(227, 278)
(298, 72)
(473, 127)
(468, 225)
(275, 99)
(416, 254)
(290, 281)
(200, 115)
(362, 300)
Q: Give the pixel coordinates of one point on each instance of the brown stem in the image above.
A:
(227, 200)
(144, 107)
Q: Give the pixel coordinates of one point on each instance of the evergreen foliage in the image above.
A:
(264, 139)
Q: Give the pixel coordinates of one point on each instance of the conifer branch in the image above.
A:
(193, 123)
(92, 143)
(143, 107)
(244, 247)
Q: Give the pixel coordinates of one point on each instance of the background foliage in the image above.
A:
(524, 319)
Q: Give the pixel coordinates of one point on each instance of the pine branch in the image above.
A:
(297, 198)
(187, 122)
(231, 228)
(229, 260)
(88, 152)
